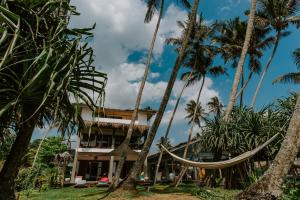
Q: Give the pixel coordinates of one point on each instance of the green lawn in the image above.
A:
(71, 193)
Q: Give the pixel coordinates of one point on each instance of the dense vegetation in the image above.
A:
(46, 68)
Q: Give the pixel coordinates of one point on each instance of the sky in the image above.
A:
(121, 39)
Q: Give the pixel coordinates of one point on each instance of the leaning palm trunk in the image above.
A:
(129, 182)
(137, 104)
(232, 98)
(169, 127)
(40, 145)
(269, 185)
(183, 170)
(266, 69)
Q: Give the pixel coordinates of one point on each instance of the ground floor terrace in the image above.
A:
(90, 164)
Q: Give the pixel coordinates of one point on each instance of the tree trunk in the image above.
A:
(169, 126)
(125, 143)
(11, 166)
(266, 69)
(183, 170)
(239, 68)
(269, 185)
(129, 182)
(242, 85)
(40, 145)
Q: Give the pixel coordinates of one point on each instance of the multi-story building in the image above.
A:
(97, 149)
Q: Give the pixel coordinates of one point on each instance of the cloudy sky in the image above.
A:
(121, 40)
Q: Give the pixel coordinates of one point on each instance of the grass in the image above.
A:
(70, 193)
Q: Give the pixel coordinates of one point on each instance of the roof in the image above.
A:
(177, 147)
(140, 128)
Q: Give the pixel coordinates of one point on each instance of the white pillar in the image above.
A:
(75, 162)
(111, 161)
(146, 167)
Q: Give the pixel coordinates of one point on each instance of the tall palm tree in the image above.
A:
(152, 6)
(129, 183)
(231, 37)
(38, 84)
(215, 106)
(269, 185)
(279, 15)
(249, 30)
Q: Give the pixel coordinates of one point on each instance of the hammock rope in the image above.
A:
(225, 163)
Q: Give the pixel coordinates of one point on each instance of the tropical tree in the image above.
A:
(165, 142)
(269, 185)
(244, 132)
(200, 113)
(239, 69)
(152, 6)
(215, 106)
(198, 59)
(279, 15)
(49, 67)
(231, 36)
(129, 182)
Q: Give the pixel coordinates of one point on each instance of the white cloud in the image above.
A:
(120, 30)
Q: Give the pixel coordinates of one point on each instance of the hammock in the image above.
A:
(221, 164)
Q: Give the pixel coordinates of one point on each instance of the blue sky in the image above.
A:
(121, 40)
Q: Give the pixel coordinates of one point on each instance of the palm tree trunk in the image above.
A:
(266, 69)
(183, 170)
(245, 85)
(169, 127)
(11, 166)
(129, 182)
(269, 185)
(242, 85)
(40, 145)
(137, 104)
(239, 68)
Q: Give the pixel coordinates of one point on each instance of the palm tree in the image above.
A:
(165, 142)
(269, 185)
(293, 77)
(47, 72)
(152, 5)
(279, 15)
(215, 106)
(231, 37)
(129, 183)
(249, 30)
(200, 113)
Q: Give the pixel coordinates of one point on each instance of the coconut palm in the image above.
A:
(215, 106)
(239, 69)
(165, 142)
(152, 6)
(200, 113)
(279, 15)
(231, 36)
(135, 171)
(51, 67)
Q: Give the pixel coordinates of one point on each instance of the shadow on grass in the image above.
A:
(166, 189)
(104, 192)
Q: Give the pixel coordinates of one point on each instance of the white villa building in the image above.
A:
(105, 130)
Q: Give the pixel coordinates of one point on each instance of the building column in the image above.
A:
(75, 162)
(111, 161)
(146, 167)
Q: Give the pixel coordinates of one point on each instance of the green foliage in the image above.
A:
(293, 194)
(248, 129)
